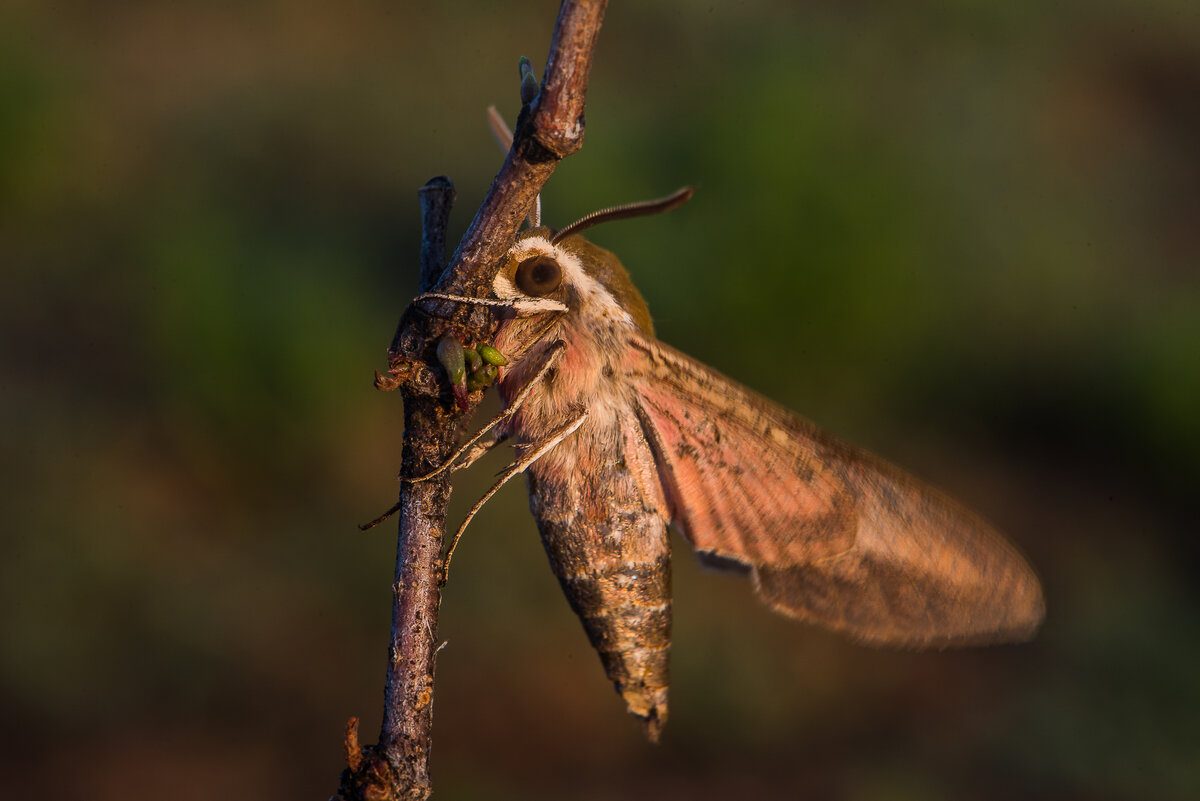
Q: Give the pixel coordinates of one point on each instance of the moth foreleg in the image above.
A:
(522, 306)
(532, 452)
(462, 299)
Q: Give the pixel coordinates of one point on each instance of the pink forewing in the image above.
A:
(738, 483)
(831, 534)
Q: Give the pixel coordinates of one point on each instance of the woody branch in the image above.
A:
(548, 129)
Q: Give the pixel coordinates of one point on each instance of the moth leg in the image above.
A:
(470, 447)
(533, 452)
(473, 448)
(470, 453)
(462, 299)
(522, 306)
(473, 453)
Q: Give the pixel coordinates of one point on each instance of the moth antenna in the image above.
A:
(624, 212)
(500, 130)
(504, 138)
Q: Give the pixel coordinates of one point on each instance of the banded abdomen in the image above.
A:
(607, 541)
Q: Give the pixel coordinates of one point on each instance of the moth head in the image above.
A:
(572, 276)
(536, 275)
(548, 271)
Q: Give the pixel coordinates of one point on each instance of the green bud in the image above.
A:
(492, 356)
(483, 377)
(473, 359)
(487, 374)
(529, 84)
(450, 354)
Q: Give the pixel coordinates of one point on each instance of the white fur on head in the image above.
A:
(591, 292)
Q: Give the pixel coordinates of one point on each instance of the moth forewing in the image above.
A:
(832, 534)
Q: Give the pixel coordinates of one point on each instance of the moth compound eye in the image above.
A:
(538, 276)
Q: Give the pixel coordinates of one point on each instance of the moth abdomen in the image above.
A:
(627, 617)
(613, 561)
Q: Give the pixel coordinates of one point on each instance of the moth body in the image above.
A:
(829, 534)
(595, 496)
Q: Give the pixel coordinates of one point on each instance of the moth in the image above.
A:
(621, 436)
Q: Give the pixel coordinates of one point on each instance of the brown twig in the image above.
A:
(547, 130)
(437, 197)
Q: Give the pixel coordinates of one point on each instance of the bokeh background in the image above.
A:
(963, 235)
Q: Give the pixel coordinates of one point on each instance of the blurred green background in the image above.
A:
(969, 233)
